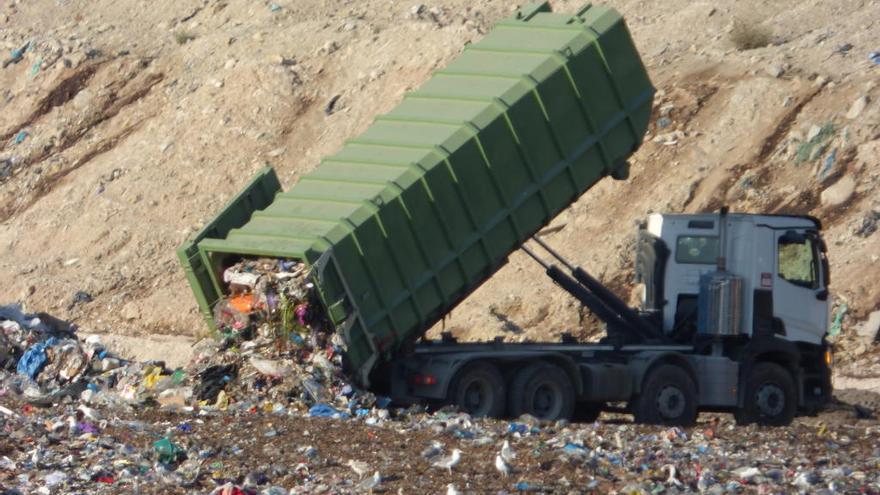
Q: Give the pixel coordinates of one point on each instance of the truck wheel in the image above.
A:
(668, 397)
(543, 391)
(771, 398)
(478, 389)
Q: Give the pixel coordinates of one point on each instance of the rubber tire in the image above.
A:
(529, 380)
(645, 406)
(480, 371)
(764, 373)
(587, 412)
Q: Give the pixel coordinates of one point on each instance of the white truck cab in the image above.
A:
(780, 259)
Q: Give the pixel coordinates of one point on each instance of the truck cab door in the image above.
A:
(800, 294)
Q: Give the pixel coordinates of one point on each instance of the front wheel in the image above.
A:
(479, 390)
(668, 397)
(771, 397)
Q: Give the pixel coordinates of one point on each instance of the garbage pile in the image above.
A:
(275, 350)
(77, 449)
(48, 360)
(266, 409)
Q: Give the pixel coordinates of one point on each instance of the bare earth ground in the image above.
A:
(127, 124)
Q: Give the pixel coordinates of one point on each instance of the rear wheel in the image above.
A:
(543, 391)
(478, 389)
(771, 397)
(668, 397)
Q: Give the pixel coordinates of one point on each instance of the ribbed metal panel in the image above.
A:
(429, 201)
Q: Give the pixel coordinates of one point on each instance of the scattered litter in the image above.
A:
(827, 166)
(5, 168)
(81, 419)
(669, 138)
(844, 48)
(869, 224)
(21, 136)
(838, 320)
(168, 451)
(331, 105)
(16, 55)
(874, 57)
(33, 360)
(80, 297)
(325, 411)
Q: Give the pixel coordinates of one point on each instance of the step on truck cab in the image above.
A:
(407, 219)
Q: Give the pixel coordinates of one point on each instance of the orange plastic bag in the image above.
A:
(243, 303)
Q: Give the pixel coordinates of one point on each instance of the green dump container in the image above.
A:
(408, 218)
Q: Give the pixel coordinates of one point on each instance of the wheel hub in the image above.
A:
(476, 398)
(770, 399)
(546, 401)
(670, 402)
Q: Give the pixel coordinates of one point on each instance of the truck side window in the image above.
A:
(797, 261)
(698, 249)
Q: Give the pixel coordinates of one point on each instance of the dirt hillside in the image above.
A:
(126, 125)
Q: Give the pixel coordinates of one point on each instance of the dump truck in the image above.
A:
(410, 217)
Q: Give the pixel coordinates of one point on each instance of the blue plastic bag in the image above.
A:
(325, 411)
(33, 360)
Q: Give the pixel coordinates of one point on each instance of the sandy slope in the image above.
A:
(142, 119)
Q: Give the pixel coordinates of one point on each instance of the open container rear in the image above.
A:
(411, 216)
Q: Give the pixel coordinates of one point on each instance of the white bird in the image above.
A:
(449, 462)
(507, 453)
(672, 472)
(72, 427)
(450, 490)
(502, 466)
(89, 412)
(359, 468)
(37, 455)
(301, 469)
(369, 484)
